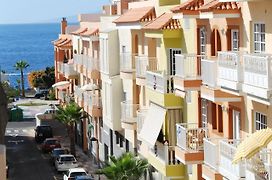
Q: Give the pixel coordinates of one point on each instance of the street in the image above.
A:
(26, 161)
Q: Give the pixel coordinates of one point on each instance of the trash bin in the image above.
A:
(16, 114)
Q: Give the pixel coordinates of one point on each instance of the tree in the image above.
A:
(126, 167)
(21, 65)
(42, 78)
(69, 115)
(4, 114)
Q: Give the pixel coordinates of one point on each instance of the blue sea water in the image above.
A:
(30, 42)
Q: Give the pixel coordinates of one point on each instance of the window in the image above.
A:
(234, 39)
(260, 121)
(172, 53)
(204, 112)
(202, 37)
(259, 38)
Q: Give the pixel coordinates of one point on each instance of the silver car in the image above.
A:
(65, 161)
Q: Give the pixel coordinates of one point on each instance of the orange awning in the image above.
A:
(91, 32)
(66, 44)
(164, 21)
(59, 41)
(189, 7)
(215, 5)
(143, 14)
(80, 31)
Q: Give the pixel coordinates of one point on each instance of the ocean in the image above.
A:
(29, 42)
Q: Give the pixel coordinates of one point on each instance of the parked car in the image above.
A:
(49, 144)
(7, 168)
(56, 152)
(40, 94)
(89, 177)
(65, 161)
(43, 132)
(73, 172)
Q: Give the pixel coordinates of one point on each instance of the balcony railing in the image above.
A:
(61, 67)
(85, 61)
(229, 67)
(91, 100)
(227, 150)
(93, 64)
(165, 153)
(257, 70)
(141, 114)
(159, 81)
(127, 62)
(78, 59)
(209, 72)
(69, 70)
(211, 153)
(190, 136)
(129, 111)
(188, 65)
(145, 63)
(78, 93)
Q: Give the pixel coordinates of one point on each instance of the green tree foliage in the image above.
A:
(125, 167)
(21, 66)
(42, 78)
(10, 91)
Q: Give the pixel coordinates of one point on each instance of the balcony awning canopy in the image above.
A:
(91, 32)
(211, 9)
(164, 21)
(152, 124)
(61, 85)
(59, 41)
(136, 15)
(89, 87)
(79, 31)
(67, 44)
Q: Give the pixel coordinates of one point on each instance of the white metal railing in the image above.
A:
(86, 99)
(227, 149)
(211, 152)
(229, 66)
(190, 136)
(261, 164)
(61, 67)
(69, 70)
(93, 64)
(188, 65)
(96, 100)
(85, 61)
(209, 72)
(62, 95)
(78, 59)
(141, 115)
(79, 93)
(145, 63)
(129, 111)
(127, 62)
(165, 153)
(257, 70)
(159, 82)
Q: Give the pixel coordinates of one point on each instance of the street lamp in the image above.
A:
(92, 139)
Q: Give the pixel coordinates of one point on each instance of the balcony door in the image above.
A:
(172, 60)
(236, 124)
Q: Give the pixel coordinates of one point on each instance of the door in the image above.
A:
(172, 60)
(236, 124)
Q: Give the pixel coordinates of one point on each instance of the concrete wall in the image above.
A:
(2, 162)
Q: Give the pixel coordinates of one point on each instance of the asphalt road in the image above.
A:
(26, 161)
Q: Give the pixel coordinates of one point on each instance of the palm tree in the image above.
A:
(19, 82)
(21, 65)
(126, 167)
(69, 115)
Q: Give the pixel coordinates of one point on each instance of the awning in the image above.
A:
(79, 31)
(152, 124)
(89, 87)
(91, 32)
(164, 21)
(61, 85)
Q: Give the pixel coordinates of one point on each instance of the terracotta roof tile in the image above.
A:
(164, 21)
(191, 5)
(79, 31)
(144, 14)
(90, 32)
(67, 43)
(59, 41)
(216, 5)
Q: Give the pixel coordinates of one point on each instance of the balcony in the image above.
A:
(257, 75)
(69, 71)
(209, 72)
(143, 64)
(62, 96)
(260, 166)
(79, 96)
(227, 168)
(141, 114)
(78, 63)
(210, 168)
(187, 75)
(230, 70)
(190, 143)
(127, 65)
(129, 115)
(92, 103)
(160, 89)
(93, 68)
(61, 67)
(162, 157)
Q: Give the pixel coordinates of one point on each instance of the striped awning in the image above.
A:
(91, 32)
(252, 145)
(79, 31)
(164, 21)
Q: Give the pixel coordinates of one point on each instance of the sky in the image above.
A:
(35, 11)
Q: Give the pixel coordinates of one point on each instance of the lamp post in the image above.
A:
(92, 139)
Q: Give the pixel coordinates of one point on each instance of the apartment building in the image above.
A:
(180, 83)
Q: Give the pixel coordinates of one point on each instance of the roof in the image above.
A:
(65, 44)
(164, 21)
(195, 6)
(79, 31)
(59, 41)
(143, 14)
(91, 32)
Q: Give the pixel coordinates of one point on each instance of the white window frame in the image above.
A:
(204, 113)
(259, 37)
(172, 59)
(235, 40)
(202, 41)
(260, 121)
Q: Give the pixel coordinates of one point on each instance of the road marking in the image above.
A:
(8, 131)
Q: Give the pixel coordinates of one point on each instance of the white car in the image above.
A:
(65, 162)
(72, 173)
